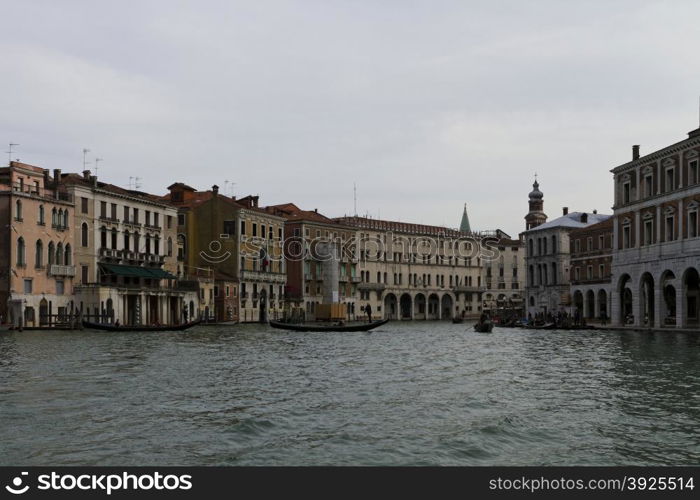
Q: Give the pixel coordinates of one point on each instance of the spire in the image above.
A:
(464, 226)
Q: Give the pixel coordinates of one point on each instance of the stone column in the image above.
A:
(637, 307)
(596, 306)
(658, 306)
(680, 305)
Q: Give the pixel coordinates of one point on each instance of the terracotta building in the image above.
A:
(36, 249)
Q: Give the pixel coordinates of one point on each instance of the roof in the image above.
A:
(293, 213)
(605, 224)
(399, 227)
(571, 220)
(81, 180)
(693, 137)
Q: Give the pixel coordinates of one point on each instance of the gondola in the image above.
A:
(139, 328)
(305, 327)
(485, 327)
(457, 320)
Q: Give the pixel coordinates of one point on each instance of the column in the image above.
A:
(637, 307)
(658, 306)
(638, 238)
(658, 224)
(584, 312)
(680, 305)
(596, 306)
(615, 309)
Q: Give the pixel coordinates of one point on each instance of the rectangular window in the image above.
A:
(669, 180)
(626, 237)
(84, 274)
(589, 272)
(169, 221)
(255, 229)
(228, 291)
(669, 229)
(27, 286)
(626, 193)
(648, 232)
(148, 217)
(136, 216)
(156, 219)
(60, 287)
(693, 172)
(84, 205)
(103, 209)
(589, 243)
(577, 273)
(242, 227)
(114, 211)
(126, 213)
(601, 242)
(692, 224)
(648, 186)
(601, 271)
(180, 219)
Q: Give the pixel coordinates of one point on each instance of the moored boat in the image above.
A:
(139, 328)
(338, 327)
(485, 327)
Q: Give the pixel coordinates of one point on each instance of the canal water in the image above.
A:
(420, 393)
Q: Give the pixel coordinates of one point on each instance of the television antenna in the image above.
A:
(9, 152)
(97, 161)
(135, 183)
(85, 152)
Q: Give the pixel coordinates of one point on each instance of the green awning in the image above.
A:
(137, 272)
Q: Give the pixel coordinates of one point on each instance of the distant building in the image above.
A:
(504, 279)
(36, 248)
(656, 237)
(548, 255)
(591, 250)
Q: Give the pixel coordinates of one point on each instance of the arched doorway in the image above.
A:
(646, 302)
(406, 306)
(590, 304)
(419, 311)
(447, 306)
(390, 306)
(43, 312)
(625, 297)
(433, 306)
(602, 304)
(668, 302)
(691, 289)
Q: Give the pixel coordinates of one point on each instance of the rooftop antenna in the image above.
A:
(9, 152)
(85, 152)
(354, 194)
(228, 187)
(134, 183)
(97, 160)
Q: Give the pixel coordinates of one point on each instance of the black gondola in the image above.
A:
(305, 327)
(139, 328)
(484, 327)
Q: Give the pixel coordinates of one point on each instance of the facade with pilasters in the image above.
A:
(657, 249)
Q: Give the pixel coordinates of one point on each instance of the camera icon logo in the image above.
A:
(16, 487)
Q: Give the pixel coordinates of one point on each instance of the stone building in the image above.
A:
(591, 250)
(36, 247)
(415, 271)
(305, 230)
(504, 279)
(657, 249)
(547, 252)
(125, 251)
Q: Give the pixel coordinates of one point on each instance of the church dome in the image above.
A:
(536, 194)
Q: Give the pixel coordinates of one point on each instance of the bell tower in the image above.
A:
(536, 215)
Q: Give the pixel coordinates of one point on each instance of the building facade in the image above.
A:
(591, 250)
(504, 280)
(655, 236)
(36, 249)
(413, 271)
(125, 253)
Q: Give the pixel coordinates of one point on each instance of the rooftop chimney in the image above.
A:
(595, 211)
(57, 175)
(93, 180)
(635, 152)
(86, 174)
(316, 210)
(215, 189)
(47, 176)
(565, 210)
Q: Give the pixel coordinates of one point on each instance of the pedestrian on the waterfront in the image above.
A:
(368, 312)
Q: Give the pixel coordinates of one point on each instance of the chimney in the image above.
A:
(93, 180)
(565, 210)
(316, 210)
(595, 211)
(584, 218)
(47, 176)
(635, 152)
(215, 189)
(86, 174)
(57, 175)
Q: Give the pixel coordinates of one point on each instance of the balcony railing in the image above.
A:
(47, 194)
(58, 270)
(265, 276)
(372, 286)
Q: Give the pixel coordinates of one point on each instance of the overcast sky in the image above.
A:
(424, 105)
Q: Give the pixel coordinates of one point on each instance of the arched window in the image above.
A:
(39, 256)
(137, 242)
(21, 253)
(170, 247)
(65, 219)
(554, 243)
(42, 215)
(68, 257)
(126, 240)
(84, 234)
(59, 254)
(156, 245)
(148, 244)
(51, 253)
(54, 213)
(18, 210)
(114, 238)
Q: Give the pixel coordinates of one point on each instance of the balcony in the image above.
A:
(46, 194)
(264, 276)
(465, 288)
(58, 270)
(355, 279)
(372, 286)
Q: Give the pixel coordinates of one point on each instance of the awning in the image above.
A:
(137, 272)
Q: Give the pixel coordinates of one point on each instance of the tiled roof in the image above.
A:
(78, 179)
(399, 227)
(571, 220)
(293, 213)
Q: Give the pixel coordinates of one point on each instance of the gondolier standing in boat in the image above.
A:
(368, 311)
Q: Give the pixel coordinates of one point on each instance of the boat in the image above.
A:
(218, 323)
(139, 328)
(338, 327)
(485, 327)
